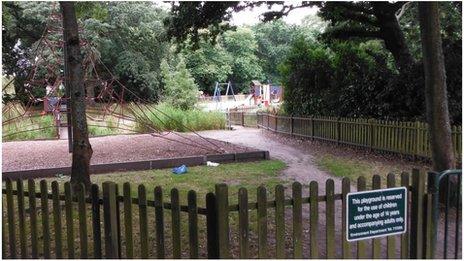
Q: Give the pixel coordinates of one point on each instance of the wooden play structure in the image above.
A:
(265, 94)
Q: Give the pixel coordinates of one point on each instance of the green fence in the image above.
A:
(405, 138)
(294, 222)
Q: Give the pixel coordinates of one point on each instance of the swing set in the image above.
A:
(218, 89)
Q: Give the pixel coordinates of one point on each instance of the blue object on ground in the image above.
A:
(179, 170)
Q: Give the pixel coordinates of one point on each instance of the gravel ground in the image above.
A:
(24, 155)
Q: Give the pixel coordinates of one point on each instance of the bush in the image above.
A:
(165, 117)
(180, 89)
(360, 80)
(306, 75)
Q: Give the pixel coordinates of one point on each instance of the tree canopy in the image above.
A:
(358, 59)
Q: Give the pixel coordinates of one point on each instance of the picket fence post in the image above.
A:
(222, 208)
(276, 117)
(267, 127)
(417, 148)
(371, 134)
(312, 127)
(433, 189)
(417, 210)
(212, 231)
(292, 121)
(96, 228)
(110, 220)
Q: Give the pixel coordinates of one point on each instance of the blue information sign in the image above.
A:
(376, 213)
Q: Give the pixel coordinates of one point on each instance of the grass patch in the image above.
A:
(18, 127)
(343, 167)
(353, 168)
(173, 119)
(108, 126)
(162, 117)
(202, 179)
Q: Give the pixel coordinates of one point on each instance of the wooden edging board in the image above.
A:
(142, 165)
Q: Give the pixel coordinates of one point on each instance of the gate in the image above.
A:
(445, 191)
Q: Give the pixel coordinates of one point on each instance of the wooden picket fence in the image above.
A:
(113, 225)
(404, 138)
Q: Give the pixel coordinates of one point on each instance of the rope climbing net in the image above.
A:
(45, 84)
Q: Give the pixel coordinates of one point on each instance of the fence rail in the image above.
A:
(113, 223)
(404, 138)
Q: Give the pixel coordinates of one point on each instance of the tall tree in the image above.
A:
(242, 47)
(362, 20)
(435, 87)
(82, 150)
(369, 20)
(22, 26)
(209, 63)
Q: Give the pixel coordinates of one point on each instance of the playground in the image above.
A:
(174, 130)
(259, 97)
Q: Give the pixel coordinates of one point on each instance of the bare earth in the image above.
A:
(301, 166)
(24, 155)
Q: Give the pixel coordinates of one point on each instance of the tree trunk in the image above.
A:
(82, 150)
(393, 36)
(435, 88)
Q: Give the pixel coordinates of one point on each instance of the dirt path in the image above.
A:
(300, 163)
(300, 167)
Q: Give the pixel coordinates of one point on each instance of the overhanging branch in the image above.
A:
(347, 33)
(403, 9)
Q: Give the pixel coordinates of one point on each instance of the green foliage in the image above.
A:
(242, 46)
(189, 18)
(275, 38)
(20, 20)
(306, 77)
(174, 119)
(129, 37)
(453, 62)
(39, 127)
(96, 10)
(208, 63)
(22, 25)
(359, 80)
(233, 58)
(180, 89)
(110, 127)
(450, 22)
(131, 42)
(327, 77)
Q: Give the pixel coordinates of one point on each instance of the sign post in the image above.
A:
(376, 213)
